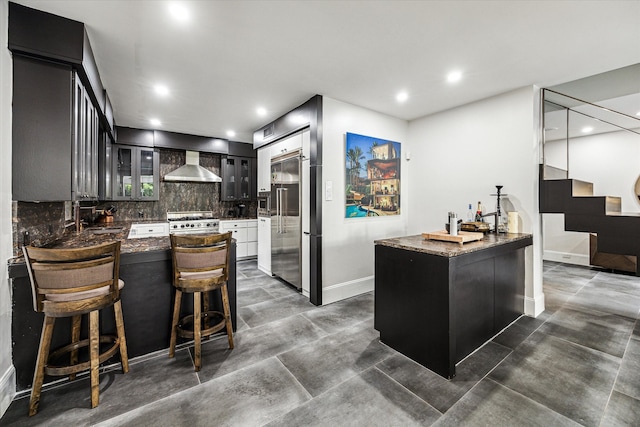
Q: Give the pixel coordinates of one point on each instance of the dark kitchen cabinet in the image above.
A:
(238, 178)
(133, 136)
(181, 141)
(135, 173)
(44, 35)
(55, 133)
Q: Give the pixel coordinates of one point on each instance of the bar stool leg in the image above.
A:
(124, 358)
(43, 355)
(75, 337)
(174, 323)
(205, 310)
(94, 354)
(227, 314)
(197, 321)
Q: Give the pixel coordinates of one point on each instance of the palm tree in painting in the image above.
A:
(372, 149)
(354, 155)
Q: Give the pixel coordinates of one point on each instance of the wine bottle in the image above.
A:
(470, 215)
(479, 213)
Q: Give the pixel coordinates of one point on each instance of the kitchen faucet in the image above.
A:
(76, 216)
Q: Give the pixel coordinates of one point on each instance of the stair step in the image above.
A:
(581, 188)
(551, 172)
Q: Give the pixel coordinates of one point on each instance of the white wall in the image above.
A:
(7, 373)
(347, 244)
(459, 156)
(611, 161)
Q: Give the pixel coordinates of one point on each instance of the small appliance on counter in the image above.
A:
(241, 210)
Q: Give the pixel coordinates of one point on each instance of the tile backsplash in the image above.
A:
(45, 222)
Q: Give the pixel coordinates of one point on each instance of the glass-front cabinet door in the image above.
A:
(123, 172)
(229, 178)
(135, 173)
(245, 176)
(148, 166)
(236, 178)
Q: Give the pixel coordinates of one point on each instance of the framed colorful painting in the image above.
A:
(372, 177)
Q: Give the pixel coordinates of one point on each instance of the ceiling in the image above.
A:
(232, 57)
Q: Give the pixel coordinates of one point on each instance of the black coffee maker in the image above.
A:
(241, 210)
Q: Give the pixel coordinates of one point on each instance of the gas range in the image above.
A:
(192, 222)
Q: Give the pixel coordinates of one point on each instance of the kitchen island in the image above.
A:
(436, 302)
(147, 298)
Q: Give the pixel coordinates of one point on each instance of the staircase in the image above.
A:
(615, 236)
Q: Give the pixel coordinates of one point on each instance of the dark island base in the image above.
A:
(437, 310)
(147, 305)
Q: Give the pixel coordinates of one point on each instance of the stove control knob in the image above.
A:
(192, 225)
(181, 225)
(208, 224)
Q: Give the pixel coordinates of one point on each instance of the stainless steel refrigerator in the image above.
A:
(286, 228)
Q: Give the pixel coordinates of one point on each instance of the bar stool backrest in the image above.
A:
(74, 281)
(200, 262)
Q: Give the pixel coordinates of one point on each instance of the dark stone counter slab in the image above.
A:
(418, 243)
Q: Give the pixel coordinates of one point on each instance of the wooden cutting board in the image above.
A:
(461, 238)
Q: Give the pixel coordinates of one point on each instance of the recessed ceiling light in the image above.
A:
(638, 113)
(231, 133)
(402, 96)
(454, 76)
(161, 90)
(179, 12)
(261, 111)
(155, 122)
(587, 129)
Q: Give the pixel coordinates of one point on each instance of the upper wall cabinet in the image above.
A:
(135, 173)
(181, 141)
(133, 136)
(44, 35)
(264, 169)
(54, 132)
(238, 179)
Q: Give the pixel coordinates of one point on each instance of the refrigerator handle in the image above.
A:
(279, 209)
(284, 208)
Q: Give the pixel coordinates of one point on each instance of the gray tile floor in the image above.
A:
(295, 364)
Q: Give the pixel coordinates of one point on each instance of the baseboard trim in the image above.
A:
(533, 307)
(346, 290)
(566, 257)
(264, 270)
(7, 389)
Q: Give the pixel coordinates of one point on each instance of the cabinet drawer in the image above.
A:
(232, 225)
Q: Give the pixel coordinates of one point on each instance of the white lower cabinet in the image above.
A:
(264, 245)
(245, 232)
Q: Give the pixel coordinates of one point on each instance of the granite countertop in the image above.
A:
(118, 230)
(449, 249)
(95, 235)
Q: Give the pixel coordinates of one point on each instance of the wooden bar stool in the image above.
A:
(200, 265)
(70, 283)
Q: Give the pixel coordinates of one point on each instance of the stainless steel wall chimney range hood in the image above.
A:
(192, 171)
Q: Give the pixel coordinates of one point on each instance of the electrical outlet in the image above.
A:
(68, 211)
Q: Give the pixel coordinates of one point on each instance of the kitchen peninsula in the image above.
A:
(147, 298)
(437, 302)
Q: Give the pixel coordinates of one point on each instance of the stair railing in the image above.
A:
(565, 118)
